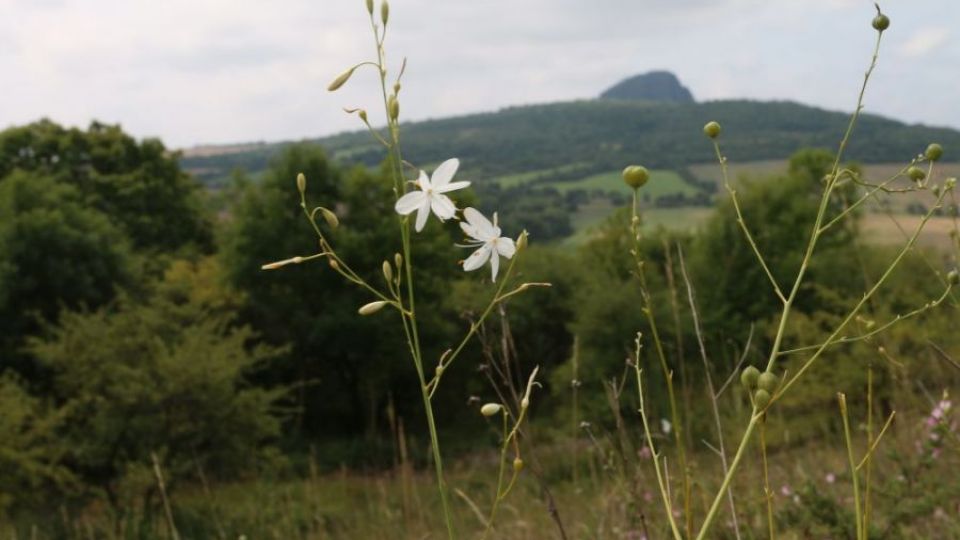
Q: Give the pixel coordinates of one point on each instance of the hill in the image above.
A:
(652, 86)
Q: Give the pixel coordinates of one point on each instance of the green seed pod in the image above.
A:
(749, 376)
(953, 277)
(712, 130)
(768, 381)
(341, 79)
(933, 152)
(394, 107)
(330, 218)
(636, 176)
(398, 260)
(517, 464)
(491, 409)
(372, 307)
(370, 7)
(384, 12)
(387, 271)
(301, 183)
(916, 174)
(761, 398)
(881, 22)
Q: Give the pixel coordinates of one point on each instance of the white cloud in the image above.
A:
(924, 41)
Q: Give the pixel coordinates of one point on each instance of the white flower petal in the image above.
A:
(442, 206)
(444, 172)
(485, 230)
(494, 263)
(478, 258)
(452, 186)
(469, 230)
(506, 247)
(410, 202)
(422, 214)
(424, 181)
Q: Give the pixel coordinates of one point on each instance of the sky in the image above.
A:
(225, 71)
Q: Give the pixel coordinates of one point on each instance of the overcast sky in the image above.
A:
(221, 71)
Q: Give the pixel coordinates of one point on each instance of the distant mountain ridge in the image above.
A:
(606, 134)
(652, 86)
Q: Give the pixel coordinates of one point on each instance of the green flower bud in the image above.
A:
(398, 260)
(330, 218)
(749, 376)
(636, 176)
(953, 277)
(363, 115)
(387, 271)
(712, 130)
(372, 307)
(950, 183)
(370, 7)
(881, 22)
(916, 173)
(933, 152)
(301, 183)
(334, 264)
(384, 12)
(491, 409)
(517, 464)
(768, 381)
(394, 107)
(341, 79)
(522, 241)
(761, 398)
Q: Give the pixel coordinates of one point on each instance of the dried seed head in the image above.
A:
(933, 152)
(768, 381)
(341, 79)
(761, 398)
(301, 183)
(491, 409)
(372, 307)
(635, 176)
(712, 130)
(749, 376)
(916, 173)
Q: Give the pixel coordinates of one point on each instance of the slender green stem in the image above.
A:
(767, 493)
(853, 467)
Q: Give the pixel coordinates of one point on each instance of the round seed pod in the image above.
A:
(636, 176)
(768, 381)
(761, 398)
(749, 376)
(881, 22)
(953, 277)
(916, 174)
(712, 130)
(933, 152)
(517, 464)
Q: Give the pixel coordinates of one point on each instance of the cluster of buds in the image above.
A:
(762, 385)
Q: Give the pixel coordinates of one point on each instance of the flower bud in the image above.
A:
(881, 22)
(749, 376)
(394, 107)
(334, 264)
(398, 260)
(384, 12)
(761, 398)
(949, 183)
(341, 79)
(362, 114)
(370, 7)
(953, 277)
(491, 409)
(768, 381)
(396, 88)
(372, 307)
(301, 183)
(916, 173)
(330, 218)
(387, 271)
(712, 130)
(933, 152)
(517, 464)
(635, 176)
(522, 241)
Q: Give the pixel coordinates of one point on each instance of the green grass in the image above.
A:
(593, 214)
(519, 179)
(662, 182)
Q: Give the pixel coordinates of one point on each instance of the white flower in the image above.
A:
(665, 426)
(487, 239)
(431, 194)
